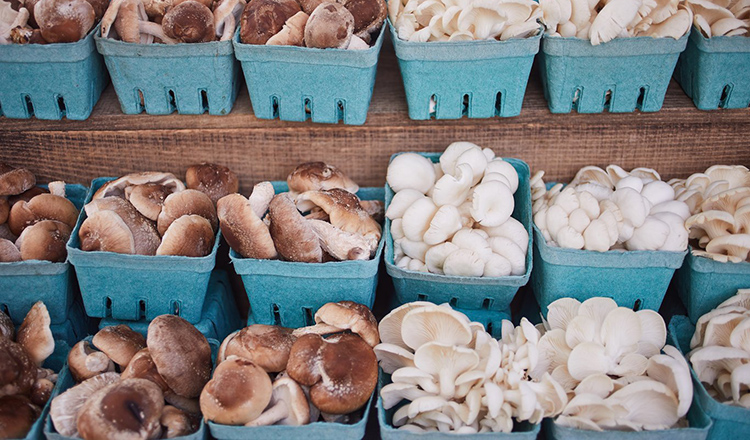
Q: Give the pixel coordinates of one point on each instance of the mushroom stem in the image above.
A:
(271, 415)
(317, 329)
(147, 27)
(108, 19)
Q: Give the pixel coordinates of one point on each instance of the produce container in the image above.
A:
(191, 78)
(729, 422)
(75, 328)
(477, 79)
(621, 75)
(289, 293)
(55, 362)
(23, 283)
(131, 287)
(51, 81)
(296, 83)
(465, 293)
(713, 71)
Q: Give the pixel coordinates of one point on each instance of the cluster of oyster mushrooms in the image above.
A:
(604, 20)
(451, 20)
(454, 217)
(129, 386)
(319, 219)
(154, 213)
(34, 224)
(25, 387)
(719, 201)
(614, 209)
(322, 24)
(171, 21)
(716, 18)
(271, 375)
(48, 21)
(609, 361)
(720, 353)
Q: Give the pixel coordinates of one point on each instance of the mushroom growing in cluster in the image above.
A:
(609, 361)
(604, 20)
(614, 209)
(719, 201)
(48, 21)
(720, 353)
(271, 375)
(454, 217)
(319, 219)
(453, 376)
(154, 394)
(721, 18)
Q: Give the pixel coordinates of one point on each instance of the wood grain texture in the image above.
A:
(677, 141)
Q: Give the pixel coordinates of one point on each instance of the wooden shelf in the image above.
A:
(676, 141)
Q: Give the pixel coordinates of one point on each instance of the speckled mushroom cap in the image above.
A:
(17, 415)
(189, 22)
(237, 394)
(243, 230)
(369, 16)
(117, 187)
(44, 241)
(186, 202)
(216, 181)
(148, 198)
(34, 334)
(64, 21)
(26, 195)
(267, 346)
(64, 408)
(348, 315)
(294, 238)
(15, 181)
(309, 5)
(17, 369)
(120, 343)
(188, 236)
(114, 225)
(142, 366)
(330, 25)
(181, 354)
(313, 176)
(263, 19)
(42, 207)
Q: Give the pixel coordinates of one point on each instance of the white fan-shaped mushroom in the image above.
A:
(453, 188)
(465, 263)
(445, 223)
(416, 218)
(401, 201)
(508, 249)
(436, 255)
(492, 203)
(612, 19)
(410, 170)
(434, 324)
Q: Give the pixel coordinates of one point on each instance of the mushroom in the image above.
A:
(368, 17)
(294, 238)
(341, 316)
(8, 251)
(14, 181)
(7, 329)
(237, 394)
(243, 229)
(117, 187)
(453, 189)
(114, 225)
(263, 19)
(65, 407)
(465, 263)
(434, 324)
(142, 366)
(293, 32)
(410, 171)
(119, 342)
(17, 415)
(148, 198)
(44, 240)
(446, 362)
(64, 21)
(42, 207)
(216, 181)
(417, 218)
(492, 203)
(85, 362)
(189, 236)
(288, 406)
(340, 244)
(226, 15)
(176, 423)
(189, 22)
(318, 176)
(267, 346)
(183, 203)
(330, 25)
(17, 369)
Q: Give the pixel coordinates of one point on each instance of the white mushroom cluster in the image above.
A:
(464, 20)
(454, 217)
(608, 359)
(719, 201)
(604, 20)
(456, 377)
(721, 17)
(720, 353)
(614, 209)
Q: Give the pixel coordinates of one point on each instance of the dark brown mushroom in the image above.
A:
(100, 6)
(263, 19)
(314, 176)
(7, 329)
(8, 251)
(84, 362)
(369, 16)
(65, 407)
(243, 230)
(216, 181)
(17, 369)
(114, 225)
(189, 22)
(64, 21)
(330, 25)
(294, 238)
(142, 366)
(41, 391)
(17, 415)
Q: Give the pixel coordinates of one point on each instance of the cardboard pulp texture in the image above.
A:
(288, 293)
(23, 283)
(714, 71)
(219, 318)
(129, 286)
(296, 83)
(51, 81)
(191, 78)
(729, 421)
(75, 328)
(477, 79)
(621, 75)
(703, 283)
(464, 293)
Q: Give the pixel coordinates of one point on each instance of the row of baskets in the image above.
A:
(478, 79)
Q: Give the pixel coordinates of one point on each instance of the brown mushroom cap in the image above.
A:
(34, 334)
(293, 32)
(237, 394)
(117, 187)
(345, 315)
(189, 236)
(17, 369)
(7, 329)
(42, 207)
(243, 230)
(41, 391)
(369, 16)
(216, 181)
(17, 415)
(309, 5)
(267, 346)
(147, 198)
(123, 229)
(84, 362)
(142, 366)
(65, 407)
(27, 195)
(263, 19)
(15, 181)
(181, 354)
(119, 342)
(44, 241)
(189, 22)
(64, 21)
(346, 361)
(4, 209)
(100, 6)
(155, 9)
(177, 423)
(8, 251)
(186, 202)
(29, 5)
(314, 176)
(294, 238)
(330, 25)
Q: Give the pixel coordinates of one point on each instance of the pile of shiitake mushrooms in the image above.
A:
(25, 387)
(271, 375)
(154, 213)
(320, 219)
(129, 386)
(34, 224)
(48, 21)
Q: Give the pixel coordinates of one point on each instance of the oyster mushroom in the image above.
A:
(410, 170)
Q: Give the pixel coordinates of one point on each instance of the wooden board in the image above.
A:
(677, 141)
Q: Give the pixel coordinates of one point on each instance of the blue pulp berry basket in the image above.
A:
(161, 78)
(220, 315)
(77, 327)
(23, 283)
(465, 293)
(296, 83)
(703, 283)
(477, 79)
(729, 422)
(130, 287)
(621, 75)
(713, 71)
(51, 81)
(288, 293)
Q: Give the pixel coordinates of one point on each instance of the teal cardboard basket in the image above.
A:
(23, 283)
(703, 283)
(51, 81)
(634, 279)
(190, 78)
(296, 83)
(465, 293)
(477, 79)
(714, 71)
(288, 293)
(131, 287)
(729, 422)
(621, 75)
(77, 327)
